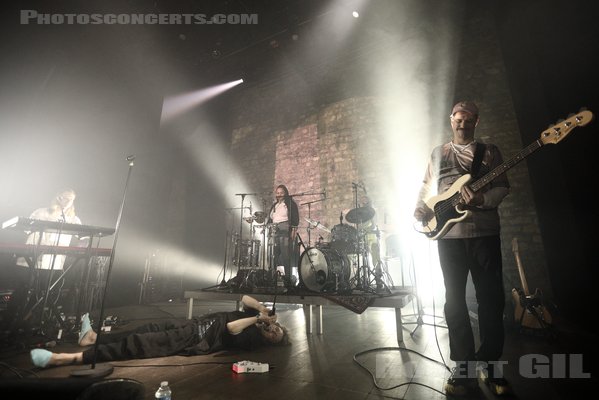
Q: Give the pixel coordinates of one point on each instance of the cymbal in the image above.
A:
(317, 224)
(360, 215)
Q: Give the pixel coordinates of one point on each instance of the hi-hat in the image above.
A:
(360, 215)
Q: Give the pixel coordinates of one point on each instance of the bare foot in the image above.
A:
(89, 338)
(66, 358)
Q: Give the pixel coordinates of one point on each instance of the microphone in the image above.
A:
(274, 302)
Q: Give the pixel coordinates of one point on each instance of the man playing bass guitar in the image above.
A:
(471, 244)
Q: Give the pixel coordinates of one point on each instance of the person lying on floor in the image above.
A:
(206, 334)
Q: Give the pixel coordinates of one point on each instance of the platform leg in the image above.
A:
(189, 308)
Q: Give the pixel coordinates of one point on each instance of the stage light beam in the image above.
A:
(173, 106)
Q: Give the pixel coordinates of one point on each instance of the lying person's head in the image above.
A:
(274, 333)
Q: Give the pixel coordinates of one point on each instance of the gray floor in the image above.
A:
(322, 366)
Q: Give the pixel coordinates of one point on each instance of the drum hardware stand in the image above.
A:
(241, 223)
(292, 242)
(223, 282)
(240, 229)
(301, 242)
(241, 208)
(359, 282)
(269, 248)
(309, 204)
(381, 285)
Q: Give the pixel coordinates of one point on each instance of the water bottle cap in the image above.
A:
(164, 383)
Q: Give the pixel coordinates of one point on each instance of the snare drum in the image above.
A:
(324, 270)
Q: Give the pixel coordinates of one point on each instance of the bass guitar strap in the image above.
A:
(479, 152)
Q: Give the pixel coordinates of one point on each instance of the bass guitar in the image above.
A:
(529, 310)
(446, 206)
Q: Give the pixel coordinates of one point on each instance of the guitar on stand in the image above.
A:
(529, 310)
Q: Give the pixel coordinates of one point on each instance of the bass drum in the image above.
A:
(324, 270)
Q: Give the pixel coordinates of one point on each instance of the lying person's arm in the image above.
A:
(250, 302)
(237, 326)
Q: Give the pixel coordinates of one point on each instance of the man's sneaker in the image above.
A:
(498, 386)
(458, 383)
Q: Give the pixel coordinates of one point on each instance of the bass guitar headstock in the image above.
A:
(559, 131)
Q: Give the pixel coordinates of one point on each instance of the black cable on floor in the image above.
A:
(401, 384)
(180, 365)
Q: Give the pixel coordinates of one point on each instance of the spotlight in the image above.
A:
(355, 14)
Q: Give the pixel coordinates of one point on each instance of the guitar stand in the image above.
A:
(546, 329)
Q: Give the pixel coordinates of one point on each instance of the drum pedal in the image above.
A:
(245, 367)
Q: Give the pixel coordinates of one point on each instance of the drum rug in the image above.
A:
(357, 303)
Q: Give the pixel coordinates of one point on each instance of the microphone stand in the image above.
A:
(241, 225)
(106, 369)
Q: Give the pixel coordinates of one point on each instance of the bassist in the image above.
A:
(472, 245)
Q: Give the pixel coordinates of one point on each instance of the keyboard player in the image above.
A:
(61, 209)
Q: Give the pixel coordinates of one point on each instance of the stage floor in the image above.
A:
(321, 366)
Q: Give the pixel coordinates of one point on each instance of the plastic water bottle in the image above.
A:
(164, 391)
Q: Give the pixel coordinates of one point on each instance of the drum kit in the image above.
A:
(345, 264)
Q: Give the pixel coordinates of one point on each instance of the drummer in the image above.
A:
(284, 214)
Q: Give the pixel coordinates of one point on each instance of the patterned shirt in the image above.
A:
(447, 164)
